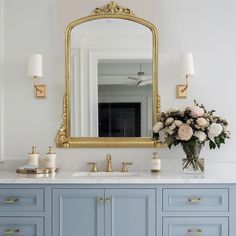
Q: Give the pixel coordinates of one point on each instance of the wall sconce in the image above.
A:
(187, 71)
(35, 70)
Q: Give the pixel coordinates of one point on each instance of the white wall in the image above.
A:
(206, 28)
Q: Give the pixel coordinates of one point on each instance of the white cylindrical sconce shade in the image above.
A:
(35, 65)
(186, 64)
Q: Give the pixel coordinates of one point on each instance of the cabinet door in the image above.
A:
(130, 212)
(78, 212)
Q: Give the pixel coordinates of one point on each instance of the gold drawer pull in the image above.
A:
(11, 200)
(11, 231)
(108, 199)
(100, 199)
(195, 200)
(195, 231)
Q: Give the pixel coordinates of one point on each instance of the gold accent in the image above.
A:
(182, 90)
(34, 150)
(63, 137)
(112, 8)
(39, 89)
(100, 199)
(125, 166)
(94, 166)
(195, 200)
(108, 200)
(11, 231)
(37, 171)
(195, 231)
(158, 108)
(50, 150)
(11, 200)
(109, 166)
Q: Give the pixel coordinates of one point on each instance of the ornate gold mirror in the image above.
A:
(111, 97)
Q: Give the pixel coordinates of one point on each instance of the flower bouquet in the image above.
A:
(192, 128)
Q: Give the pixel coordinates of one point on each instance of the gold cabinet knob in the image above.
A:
(100, 199)
(108, 200)
(11, 200)
(195, 200)
(11, 231)
(125, 166)
(94, 166)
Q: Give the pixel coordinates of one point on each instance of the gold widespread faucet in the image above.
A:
(109, 166)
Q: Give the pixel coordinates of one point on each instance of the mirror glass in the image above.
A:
(111, 79)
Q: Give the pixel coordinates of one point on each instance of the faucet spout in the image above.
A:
(109, 165)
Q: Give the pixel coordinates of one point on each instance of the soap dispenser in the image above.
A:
(33, 158)
(50, 158)
(155, 163)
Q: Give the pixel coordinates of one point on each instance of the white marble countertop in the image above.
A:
(66, 177)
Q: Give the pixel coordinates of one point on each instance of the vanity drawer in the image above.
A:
(192, 199)
(21, 226)
(21, 200)
(193, 226)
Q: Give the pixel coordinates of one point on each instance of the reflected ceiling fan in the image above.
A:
(141, 78)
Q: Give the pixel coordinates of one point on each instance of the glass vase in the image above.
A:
(192, 163)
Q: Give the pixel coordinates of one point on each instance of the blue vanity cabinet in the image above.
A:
(118, 209)
(104, 212)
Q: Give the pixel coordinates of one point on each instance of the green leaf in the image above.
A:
(212, 145)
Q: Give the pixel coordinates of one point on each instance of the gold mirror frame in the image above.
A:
(63, 137)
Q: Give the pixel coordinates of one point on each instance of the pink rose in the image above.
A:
(202, 122)
(196, 111)
(185, 132)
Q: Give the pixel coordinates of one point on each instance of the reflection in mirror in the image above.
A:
(111, 79)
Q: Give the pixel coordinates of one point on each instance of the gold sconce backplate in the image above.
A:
(181, 91)
(40, 91)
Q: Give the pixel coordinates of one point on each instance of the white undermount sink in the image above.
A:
(105, 174)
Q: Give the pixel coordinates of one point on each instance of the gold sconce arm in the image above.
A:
(39, 89)
(186, 84)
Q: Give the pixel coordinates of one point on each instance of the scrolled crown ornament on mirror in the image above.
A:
(112, 8)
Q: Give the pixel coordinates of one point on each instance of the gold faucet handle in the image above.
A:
(108, 157)
(125, 166)
(94, 166)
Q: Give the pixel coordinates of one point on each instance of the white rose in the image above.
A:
(196, 111)
(178, 122)
(185, 132)
(172, 127)
(162, 136)
(169, 121)
(215, 130)
(202, 122)
(200, 135)
(226, 131)
(157, 127)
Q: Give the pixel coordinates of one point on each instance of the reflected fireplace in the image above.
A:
(119, 119)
